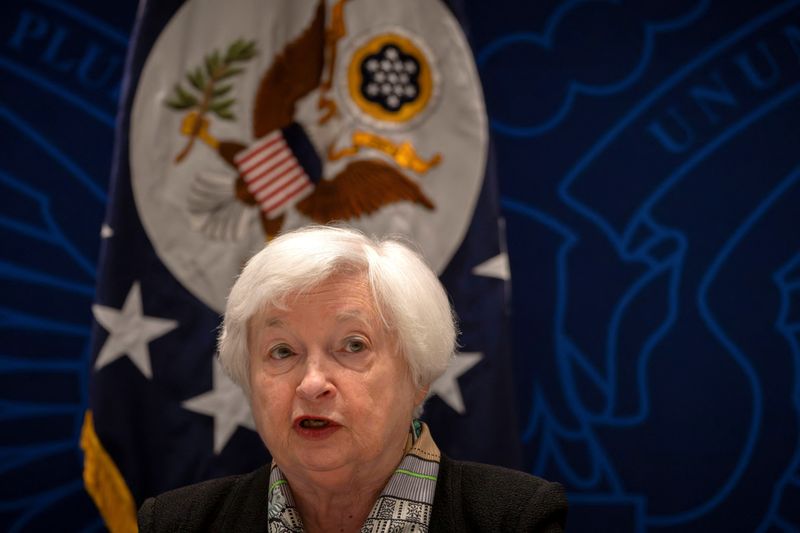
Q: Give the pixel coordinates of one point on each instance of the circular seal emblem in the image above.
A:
(257, 117)
(390, 78)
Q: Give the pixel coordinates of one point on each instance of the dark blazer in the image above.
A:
(469, 497)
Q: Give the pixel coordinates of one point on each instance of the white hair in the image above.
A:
(408, 295)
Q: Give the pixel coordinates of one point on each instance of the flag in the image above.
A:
(244, 119)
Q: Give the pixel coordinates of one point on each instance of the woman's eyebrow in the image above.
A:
(352, 314)
(273, 322)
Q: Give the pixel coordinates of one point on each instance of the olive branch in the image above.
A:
(209, 81)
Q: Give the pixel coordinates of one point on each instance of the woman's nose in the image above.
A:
(316, 380)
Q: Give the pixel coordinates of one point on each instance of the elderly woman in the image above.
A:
(335, 339)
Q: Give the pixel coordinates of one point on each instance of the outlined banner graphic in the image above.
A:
(60, 68)
(669, 219)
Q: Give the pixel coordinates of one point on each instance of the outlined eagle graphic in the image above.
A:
(282, 168)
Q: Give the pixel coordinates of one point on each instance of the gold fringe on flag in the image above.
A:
(104, 483)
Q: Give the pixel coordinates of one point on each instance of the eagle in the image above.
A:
(362, 187)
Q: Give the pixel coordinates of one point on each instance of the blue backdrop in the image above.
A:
(649, 163)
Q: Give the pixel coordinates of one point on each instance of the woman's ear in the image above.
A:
(422, 393)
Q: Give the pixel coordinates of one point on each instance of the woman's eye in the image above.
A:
(280, 351)
(355, 345)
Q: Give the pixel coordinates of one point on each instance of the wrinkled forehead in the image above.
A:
(346, 295)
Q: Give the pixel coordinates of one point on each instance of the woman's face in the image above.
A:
(330, 390)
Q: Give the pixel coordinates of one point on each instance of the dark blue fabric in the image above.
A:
(298, 141)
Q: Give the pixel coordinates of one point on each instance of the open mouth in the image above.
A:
(314, 423)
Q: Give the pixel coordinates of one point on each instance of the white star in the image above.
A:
(129, 331)
(106, 232)
(496, 267)
(447, 385)
(226, 403)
